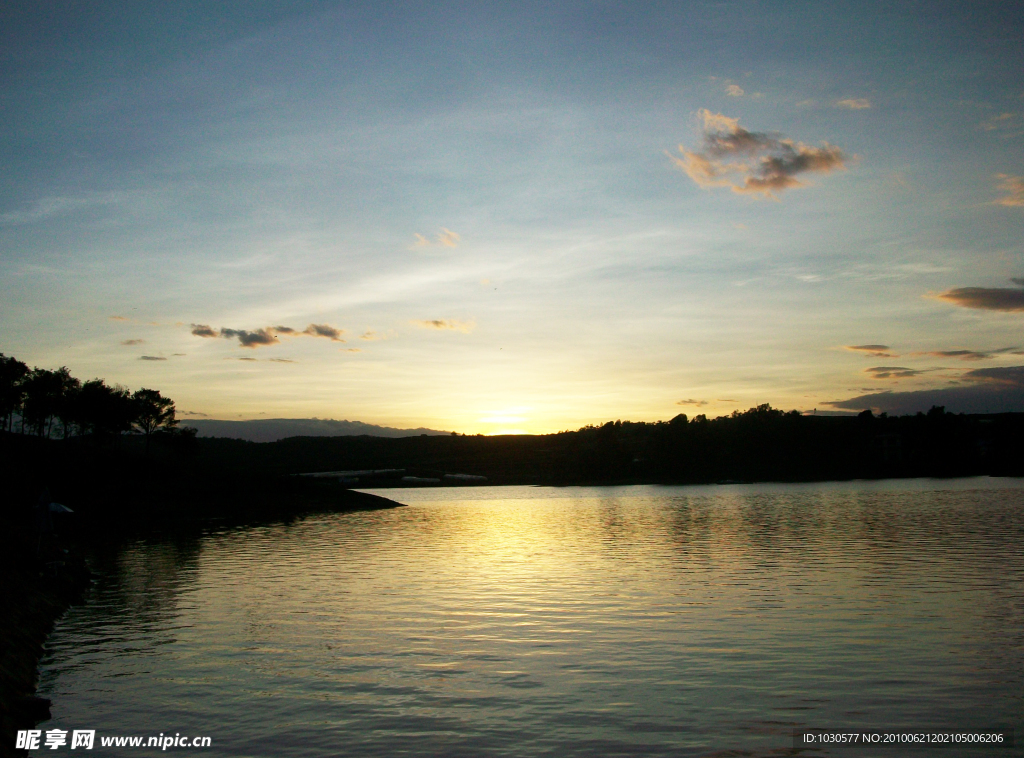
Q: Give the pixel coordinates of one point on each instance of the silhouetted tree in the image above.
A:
(68, 403)
(45, 392)
(152, 412)
(12, 375)
(104, 411)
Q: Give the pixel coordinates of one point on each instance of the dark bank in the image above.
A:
(115, 491)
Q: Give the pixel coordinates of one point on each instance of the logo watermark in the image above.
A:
(54, 739)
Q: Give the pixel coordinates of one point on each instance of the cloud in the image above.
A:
(281, 360)
(371, 336)
(119, 318)
(873, 351)
(324, 330)
(48, 207)
(691, 401)
(964, 355)
(251, 339)
(764, 164)
(987, 298)
(132, 342)
(245, 358)
(1000, 122)
(988, 390)
(448, 238)
(268, 335)
(1008, 376)
(854, 104)
(1014, 185)
(891, 372)
(151, 358)
(734, 90)
(445, 238)
(458, 326)
(191, 413)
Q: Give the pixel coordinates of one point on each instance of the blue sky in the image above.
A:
(489, 206)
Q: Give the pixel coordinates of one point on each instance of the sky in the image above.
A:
(517, 217)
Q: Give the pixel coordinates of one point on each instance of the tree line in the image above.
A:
(52, 403)
(757, 444)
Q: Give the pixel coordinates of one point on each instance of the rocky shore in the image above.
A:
(33, 597)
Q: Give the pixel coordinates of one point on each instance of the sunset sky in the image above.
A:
(494, 217)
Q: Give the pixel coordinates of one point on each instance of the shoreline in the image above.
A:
(36, 593)
(32, 602)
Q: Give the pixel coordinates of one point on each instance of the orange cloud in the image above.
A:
(1014, 185)
(445, 238)
(450, 324)
(854, 104)
(872, 351)
(752, 162)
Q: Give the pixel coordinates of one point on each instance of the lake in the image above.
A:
(531, 621)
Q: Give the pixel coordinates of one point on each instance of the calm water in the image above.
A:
(576, 621)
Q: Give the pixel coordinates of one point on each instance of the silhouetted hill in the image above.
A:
(761, 444)
(273, 429)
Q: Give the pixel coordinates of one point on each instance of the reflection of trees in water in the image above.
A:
(881, 528)
(143, 579)
(128, 618)
(949, 560)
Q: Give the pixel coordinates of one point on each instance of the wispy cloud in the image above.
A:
(891, 372)
(445, 238)
(151, 358)
(1000, 122)
(734, 90)
(987, 298)
(691, 401)
(752, 162)
(854, 104)
(1014, 187)
(873, 351)
(371, 336)
(118, 318)
(249, 359)
(451, 324)
(964, 355)
(132, 342)
(53, 206)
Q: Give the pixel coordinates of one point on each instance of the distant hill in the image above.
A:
(273, 429)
